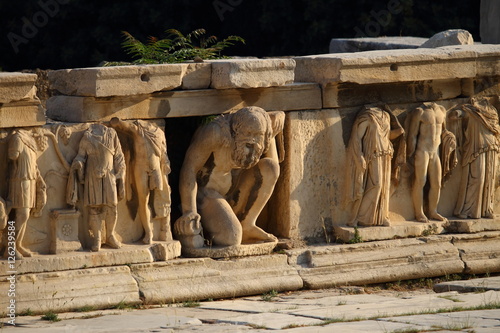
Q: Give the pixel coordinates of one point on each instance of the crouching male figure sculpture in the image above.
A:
(228, 175)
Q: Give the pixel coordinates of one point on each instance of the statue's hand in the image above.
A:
(120, 189)
(188, 224)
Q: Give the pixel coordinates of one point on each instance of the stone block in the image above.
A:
(197, 76)
(470, 226)
(343, 45)
(347, 94)
(17, 87)
(197, 279)
(449, 37)
(71, 290)
(376, 262)
(22, 114)
(127, 254)
(251, 73)
(184, 103)
(243, 250)
(469, 286)
(479, 251)
(64, 231)
(399, 229)
(450, 62)
(117, 80)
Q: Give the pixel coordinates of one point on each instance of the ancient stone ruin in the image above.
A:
(164, 183)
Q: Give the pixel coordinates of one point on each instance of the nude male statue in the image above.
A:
(426, 127)
(148, 171)
(228, 175)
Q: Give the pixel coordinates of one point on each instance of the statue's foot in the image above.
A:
(462, 216)
(113, 242)
(387, 222)
(489, 215)
(352, 223)
(438, 217)
(24, 252)
(421, 218)
(148, 239)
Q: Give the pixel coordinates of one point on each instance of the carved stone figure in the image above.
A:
(147, 172)
(426, 132)
(480, 149)
(228, 175)
(100, 166)
(369, 175)
(26, 186)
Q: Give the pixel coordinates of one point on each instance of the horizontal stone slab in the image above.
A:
(22, 114)
(98, 288)
(472, 225)
(376, 262)
(127, 254)
(117, 80)
(345, 94)
(230, 251)
(183, 103)
(342, 45)
(469, 286)
(400, 229)
(197, 279)
(450, 62)
(17, 86)
(197, 76)
(480, 252)
(251, 73)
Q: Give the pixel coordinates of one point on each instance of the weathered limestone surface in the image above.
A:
(17, 86)
(128, 254)
(469, 286)
(449, 37)
(471, 226)
(343, 45)
(99, 288)
(398, 229)
(19, 105)
(117, 80)
(465, 61)
(195, 279)
(314, 137)
(230, 251)
(183, 103)
(197, 76)
(251, 73)
(351, 94)
(22, 114)
(376, 262)
(479, 251)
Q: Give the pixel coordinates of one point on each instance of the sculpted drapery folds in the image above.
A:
(100, 166)
(479, 151)
(228, 175)
(370, 150)
(147, 171)
(26, 185)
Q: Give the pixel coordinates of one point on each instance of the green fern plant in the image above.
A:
(177, 47)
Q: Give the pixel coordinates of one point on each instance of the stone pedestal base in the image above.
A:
(230, 251)
(64, 231)
(403, 229)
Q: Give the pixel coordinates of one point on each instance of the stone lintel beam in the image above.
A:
(384, 66)
(183, 103)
